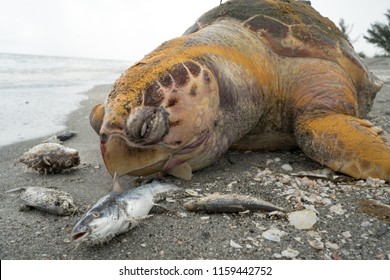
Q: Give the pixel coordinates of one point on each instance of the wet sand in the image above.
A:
(344, 230)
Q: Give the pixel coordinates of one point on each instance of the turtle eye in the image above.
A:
(144, 129)
(147, 125)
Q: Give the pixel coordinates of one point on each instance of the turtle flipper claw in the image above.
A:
(347, 144)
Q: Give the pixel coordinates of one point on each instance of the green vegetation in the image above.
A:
(345, 29)
(362, 54)
(379, 34)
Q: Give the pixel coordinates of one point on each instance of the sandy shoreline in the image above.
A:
(346, 234)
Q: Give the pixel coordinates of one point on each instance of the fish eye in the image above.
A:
(96, 214)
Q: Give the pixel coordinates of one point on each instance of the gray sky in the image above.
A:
(129, 29)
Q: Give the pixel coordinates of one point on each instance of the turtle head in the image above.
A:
(158, 118)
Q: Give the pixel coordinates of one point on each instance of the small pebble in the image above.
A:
(182, 215)
(326, 171)
(290, 253)
(336, 256)
(337, 209)
(205, 218)
(235, 244)
(346, 234)
(162, 253)
(277, 256)
(316, 244)
(273, 234)
(286, 179)
(332, 246)
(287, 167)
(326, 201)
(307, 182)
(366, 224)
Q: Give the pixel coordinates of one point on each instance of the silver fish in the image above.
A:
(50, 158)
(47, 200)
(117, 212)
(229, 203)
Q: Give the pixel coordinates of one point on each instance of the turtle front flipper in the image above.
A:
(346, 144)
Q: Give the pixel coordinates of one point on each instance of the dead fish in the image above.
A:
(65, 135)
(230, 203)
(50, 158)
(117, 212)
(48, 200)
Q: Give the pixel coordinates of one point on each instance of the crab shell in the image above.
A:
(249, 74)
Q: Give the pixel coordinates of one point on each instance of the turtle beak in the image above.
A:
(121, 157)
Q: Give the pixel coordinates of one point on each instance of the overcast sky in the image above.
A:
(129, 29)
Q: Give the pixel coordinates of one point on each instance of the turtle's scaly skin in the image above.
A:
(247, 75)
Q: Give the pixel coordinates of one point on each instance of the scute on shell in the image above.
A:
(295, 29)
(50, 158)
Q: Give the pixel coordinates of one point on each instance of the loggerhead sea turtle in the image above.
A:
(251, 75)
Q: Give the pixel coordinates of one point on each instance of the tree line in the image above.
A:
(378, 34)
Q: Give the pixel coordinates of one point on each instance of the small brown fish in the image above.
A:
(50, 158)
(230, 203)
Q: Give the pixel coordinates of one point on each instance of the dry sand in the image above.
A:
(344, 230)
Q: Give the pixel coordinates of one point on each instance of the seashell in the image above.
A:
(273, 234)
(290, 253)
(303, 219)
(191, 192)
(50, 158)
(316, 244)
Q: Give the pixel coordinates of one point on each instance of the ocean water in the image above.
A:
(38, 92)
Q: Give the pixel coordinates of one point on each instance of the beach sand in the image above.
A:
(344, 230)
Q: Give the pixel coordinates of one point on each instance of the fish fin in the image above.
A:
(16, 190)
(182, 171)
(141, 218)
(116, 187)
